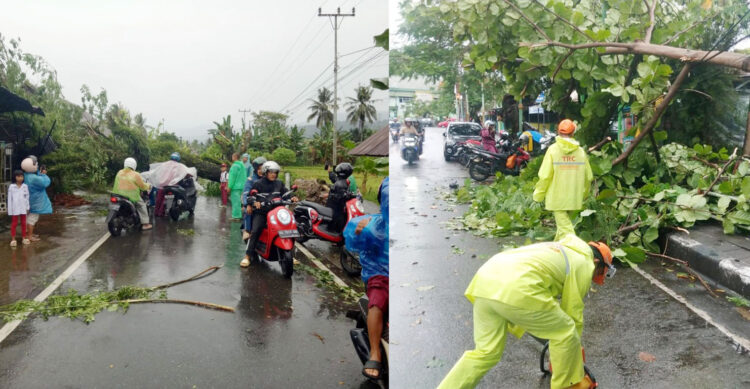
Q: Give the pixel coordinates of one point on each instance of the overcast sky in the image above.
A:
(193, 62)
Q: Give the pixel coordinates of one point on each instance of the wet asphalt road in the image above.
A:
(284, 333)
(431, 320)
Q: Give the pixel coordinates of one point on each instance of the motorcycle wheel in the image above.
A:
(463, 159)
(174, 213)
(115, 229)
(286, 260)
(480, 171)
(447, 157)
(350, 263)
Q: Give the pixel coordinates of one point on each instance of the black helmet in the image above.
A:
(344, 170)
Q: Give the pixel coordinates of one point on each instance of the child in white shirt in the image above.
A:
(18, 207)
(224, 180)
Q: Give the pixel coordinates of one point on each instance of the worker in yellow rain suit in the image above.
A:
(564, 178)
(515, 291)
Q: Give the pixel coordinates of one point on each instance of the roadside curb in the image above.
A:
(723, 258)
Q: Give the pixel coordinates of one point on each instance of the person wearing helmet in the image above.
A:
(564, 178)
(237, 178)
(488, 136)
(37, 180)
(269, 183)
(175, 157)
(255, 176)
(516, 291)
(129, 184)
(408, 127)
(339, 195)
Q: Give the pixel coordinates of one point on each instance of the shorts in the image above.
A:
(377, 292)
(32, 219)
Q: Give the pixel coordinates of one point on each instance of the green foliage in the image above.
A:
(739, 301)
(284, 156)
(360, 110)
(79, 306)
(628, 207)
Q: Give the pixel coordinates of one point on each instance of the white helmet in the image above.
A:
(29, 164)
(270, 166)
(489, 123)
(131, 163)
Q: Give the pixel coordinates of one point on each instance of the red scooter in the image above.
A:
(276, 241)
(313, 220)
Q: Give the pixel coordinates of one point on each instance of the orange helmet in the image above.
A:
(603, 260)
(566, 127)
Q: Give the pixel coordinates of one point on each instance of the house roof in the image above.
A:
(374, 146)
(11, 102)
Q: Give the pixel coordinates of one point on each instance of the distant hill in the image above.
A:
(311, 130)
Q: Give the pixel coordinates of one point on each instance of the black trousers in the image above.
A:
(259, 222)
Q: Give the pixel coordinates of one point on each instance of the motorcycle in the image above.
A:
(276, 241)
(181, 197)
(535, 143)
(410, 148)
(361, 338)
(394, 128)
(510, 160)
(313, 220)
(464, 151)
(123, 215)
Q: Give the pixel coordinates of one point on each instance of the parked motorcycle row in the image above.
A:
(463, 143)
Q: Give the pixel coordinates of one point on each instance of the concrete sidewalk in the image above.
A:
(723, 258)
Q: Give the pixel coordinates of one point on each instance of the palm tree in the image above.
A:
(321, 108)
(361, 109)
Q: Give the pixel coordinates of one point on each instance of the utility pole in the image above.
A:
(335, 23)
(244, 111)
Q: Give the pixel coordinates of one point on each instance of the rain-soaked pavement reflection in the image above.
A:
(284, 333)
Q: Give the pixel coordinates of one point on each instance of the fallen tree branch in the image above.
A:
(713, 165)
(188, 302)
(652, 23)
(721, 171)
(523, 15)
(660, 108)
(205, 273)
(624, 230)
(559, 66)
(600, 144)
(562, 19)
(687, 268)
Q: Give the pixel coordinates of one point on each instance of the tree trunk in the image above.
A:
(208, 170)
(657, 114)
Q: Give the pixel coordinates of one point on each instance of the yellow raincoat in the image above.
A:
(129, 183)
(516, 291)
(564, 181)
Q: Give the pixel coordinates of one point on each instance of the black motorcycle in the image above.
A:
(123, 214)
(361, 339)
(509, 161)
(181, 197)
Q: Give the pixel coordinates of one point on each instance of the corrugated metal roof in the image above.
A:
(374, 146)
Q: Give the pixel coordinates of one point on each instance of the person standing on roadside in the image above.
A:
(236, 181)
(564, 178)
(224, 181)
(18, 207)
(38, 181)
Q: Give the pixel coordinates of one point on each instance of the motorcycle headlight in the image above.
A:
(410, 143)
(284, 216)
(449, 150)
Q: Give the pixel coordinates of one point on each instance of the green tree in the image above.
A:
(368, 166)
(284, 156)
(270, 131)
(296, 140)
(322, 109)
(361, 109)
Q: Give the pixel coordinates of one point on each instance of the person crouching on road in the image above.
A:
(224, 180)
(237, 177)
(18, 207)
(368, 236)
(516, 291)
(564, 178)
(268, 184)
(129, 184)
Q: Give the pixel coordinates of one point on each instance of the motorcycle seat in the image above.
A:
(321, 209)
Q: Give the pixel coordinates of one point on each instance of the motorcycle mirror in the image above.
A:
(294, 187)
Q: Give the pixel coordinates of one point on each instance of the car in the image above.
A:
(426, 122)
(444, 123)
(458, 133)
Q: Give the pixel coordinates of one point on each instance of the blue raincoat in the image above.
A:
(38, 198)
(248, 218)
(372, 242)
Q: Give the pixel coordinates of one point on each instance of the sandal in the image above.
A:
(372, 365)
(245, 262)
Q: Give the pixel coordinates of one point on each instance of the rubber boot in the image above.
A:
(585, 384)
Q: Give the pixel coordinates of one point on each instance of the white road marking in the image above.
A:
(321, 266)
(10, 326)
(744, 342)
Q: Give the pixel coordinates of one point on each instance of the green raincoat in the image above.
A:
(129, 183)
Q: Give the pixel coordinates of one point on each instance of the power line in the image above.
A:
(325, 82)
